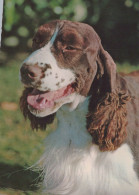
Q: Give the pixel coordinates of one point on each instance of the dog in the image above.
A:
(95, 148)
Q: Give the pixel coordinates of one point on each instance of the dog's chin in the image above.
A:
(69, 101)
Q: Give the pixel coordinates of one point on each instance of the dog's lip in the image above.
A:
(41, 100)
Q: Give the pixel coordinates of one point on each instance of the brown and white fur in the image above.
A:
(95, 148)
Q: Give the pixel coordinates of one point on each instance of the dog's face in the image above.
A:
(62, 66)
(68, 64)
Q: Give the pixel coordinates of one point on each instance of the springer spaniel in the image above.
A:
(95, 148)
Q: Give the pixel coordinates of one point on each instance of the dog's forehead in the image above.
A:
(66, 29)
(67, 32)
(70, 36)
(46, 30)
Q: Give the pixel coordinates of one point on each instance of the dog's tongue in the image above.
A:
(39, 100)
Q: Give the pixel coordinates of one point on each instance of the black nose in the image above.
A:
(30, 73)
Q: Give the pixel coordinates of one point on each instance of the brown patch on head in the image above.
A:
(70, 36)
(36, 122)
(43, 35)
(107, 122)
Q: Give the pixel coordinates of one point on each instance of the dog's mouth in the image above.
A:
(40, 100)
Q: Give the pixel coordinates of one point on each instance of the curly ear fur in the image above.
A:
(36, 122)
(107, 123)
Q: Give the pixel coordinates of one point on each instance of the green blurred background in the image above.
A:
(116, 22)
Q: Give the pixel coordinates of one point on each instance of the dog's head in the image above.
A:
(68, 59)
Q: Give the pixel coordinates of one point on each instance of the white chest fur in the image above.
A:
(72, 165)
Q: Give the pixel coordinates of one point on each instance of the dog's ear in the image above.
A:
(91, 46)
(36, 122)
(106, 69)
(107, 117)
(100, 64)
(107, 122)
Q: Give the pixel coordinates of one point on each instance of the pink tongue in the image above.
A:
(40, 100)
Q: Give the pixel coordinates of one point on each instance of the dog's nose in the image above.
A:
(30, 73)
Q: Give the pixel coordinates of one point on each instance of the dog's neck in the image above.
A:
(72, 125)
(71, 162)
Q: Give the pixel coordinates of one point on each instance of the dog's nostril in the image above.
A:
(31, 74)
(39, 100)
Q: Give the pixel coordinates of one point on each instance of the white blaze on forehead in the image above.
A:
(42, 56)
(54, 36)
(55, 77)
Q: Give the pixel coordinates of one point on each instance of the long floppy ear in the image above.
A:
(101, 67)
(107, 117)
(107, 68)
(36, 122)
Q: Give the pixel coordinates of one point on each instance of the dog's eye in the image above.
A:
(69, 48)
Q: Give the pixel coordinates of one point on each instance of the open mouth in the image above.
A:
(39, 100)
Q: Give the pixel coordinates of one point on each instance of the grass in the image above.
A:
(20, 147)
(126, 67)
